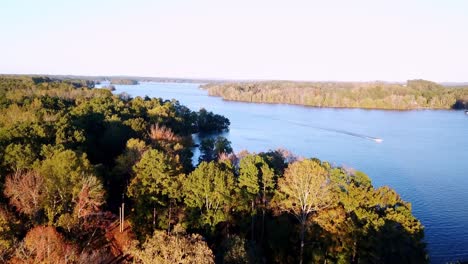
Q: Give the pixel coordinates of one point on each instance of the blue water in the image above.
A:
(423, 155)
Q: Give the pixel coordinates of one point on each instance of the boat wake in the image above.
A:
(344, 132)
(375, 139)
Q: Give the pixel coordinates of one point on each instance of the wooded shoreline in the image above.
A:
(414, 95)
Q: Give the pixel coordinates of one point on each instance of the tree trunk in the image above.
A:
(263, 225)
(154, 217)
(353, 260)
(263, 216)
(252, 222)
(169, 220)
(302, 240)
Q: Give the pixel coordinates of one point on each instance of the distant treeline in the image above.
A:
(45, 80)
(415, 94)
(116, 79)
(124, 81)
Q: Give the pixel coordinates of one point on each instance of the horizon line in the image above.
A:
(226, 79)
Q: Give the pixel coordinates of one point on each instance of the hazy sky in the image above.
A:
(390, 40)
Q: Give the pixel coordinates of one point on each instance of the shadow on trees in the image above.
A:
(390, 243)
(460, 104)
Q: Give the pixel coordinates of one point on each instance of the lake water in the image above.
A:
(423, 155)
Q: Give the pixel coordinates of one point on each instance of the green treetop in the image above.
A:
(209, 189)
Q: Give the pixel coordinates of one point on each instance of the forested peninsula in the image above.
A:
(415, 94)
(87, 176)
(123, 81)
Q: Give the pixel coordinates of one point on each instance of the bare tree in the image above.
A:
(160, 132)
(25, 191)
(43, 244)
(90, 198)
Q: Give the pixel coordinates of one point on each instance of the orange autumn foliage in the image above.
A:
(43, 244)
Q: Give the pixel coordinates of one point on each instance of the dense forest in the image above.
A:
(415, 94)
(87, 176)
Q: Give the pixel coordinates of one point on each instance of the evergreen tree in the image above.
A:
(208, 190)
